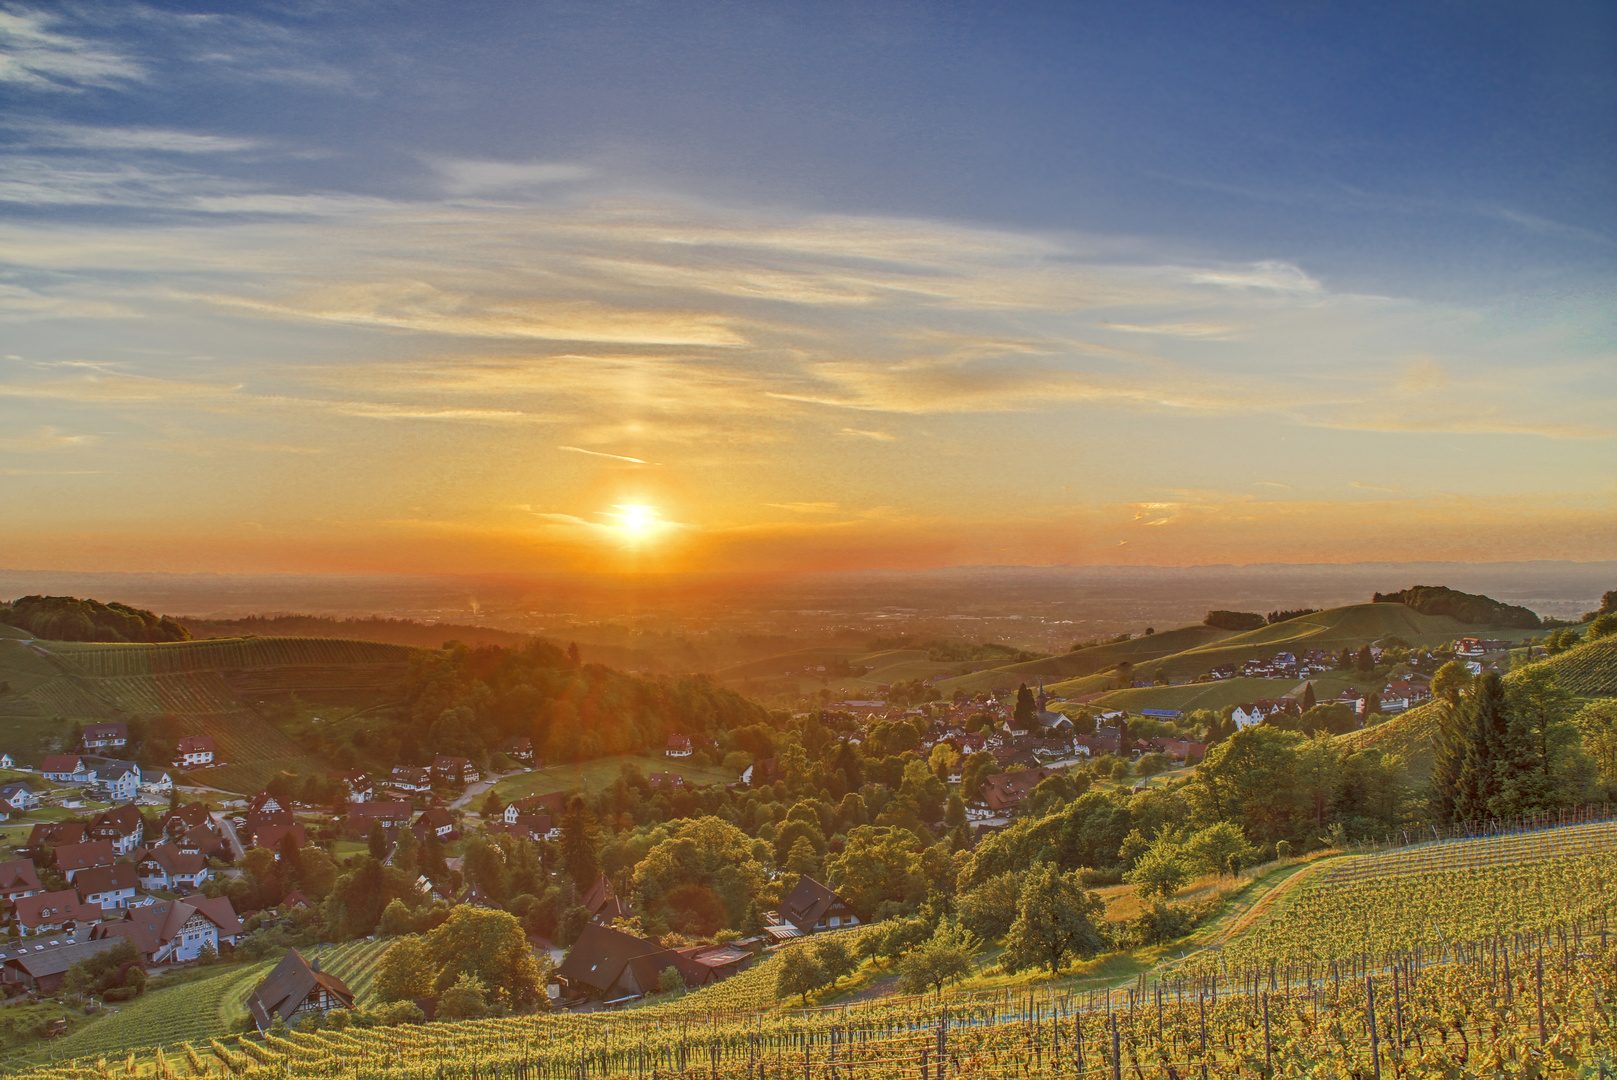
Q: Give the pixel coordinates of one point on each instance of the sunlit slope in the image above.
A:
(1590, 670)
(200, 687)
(791, 663)
(1143, 652)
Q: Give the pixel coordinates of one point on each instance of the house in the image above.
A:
(63, 768)
(107, 887)
(437, 822)
(360, 788)
(603, 904)
(41, 969)
(265, 803)
(454, 770)
(678, 746)
(1256, 712)
(811, 906)
(124, 827)
(203, 841)
(1002, 792)
(612, 965)
(54, 834)
(269, 835)
(293, 987)
(18, 797)
(533, 827)
(175, 823)
(193, 751)
(362, 816)
(408, 778)
(169, 867)
(117, 781)
(760, 772)
(553, 804)
(669, 780)
(156, 782)
(71, 859)
(6, 762)
(104, 736)
(1053, 722)
(18, 878)
(1179, 749)
(721, 960)
(176, 931)
(52, 912)
(518, 748)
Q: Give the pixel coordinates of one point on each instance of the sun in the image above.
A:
(636, 518)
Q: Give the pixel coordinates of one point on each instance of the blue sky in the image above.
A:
(1152, 282)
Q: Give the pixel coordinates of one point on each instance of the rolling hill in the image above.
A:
(208, 687)
(1140, 651)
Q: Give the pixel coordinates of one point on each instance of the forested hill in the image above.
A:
(464, 701)
(375, 628)
(67, 618)
(1465, 607)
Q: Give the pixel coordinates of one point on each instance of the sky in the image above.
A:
(635, 287)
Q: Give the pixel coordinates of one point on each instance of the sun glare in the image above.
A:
(636, 518)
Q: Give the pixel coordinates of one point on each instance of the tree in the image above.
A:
(1218, 849)
(943, 958)
(877, 864)
(989, 909)
(834, 958)
(803, 859)
(466, 999)
(377, 842)
(1160, 871)
(484, 866)
(405, 971)
(1486, 729)
(670, 981)
(404, 852)
(1597, 721)
(799, 972)
(1026, 707)
(580, 843)
(1058, 920)
(493, 805)
(492, 946)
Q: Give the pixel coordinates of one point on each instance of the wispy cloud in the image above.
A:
(602, 454)
(36, 54)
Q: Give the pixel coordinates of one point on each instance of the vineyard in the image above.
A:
(1427, 899)
(228, 654)
(205, 1009)
(1538, 1005)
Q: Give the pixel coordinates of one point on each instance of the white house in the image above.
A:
(678, 746)
(167, 867)
(18, 797)
(64, 769)
(6, 762)
(194, 751)
(157, 783)
(118, 780)
(108, 887)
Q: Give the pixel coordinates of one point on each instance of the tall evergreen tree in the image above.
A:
(1487, 722)
(1026, 707)
(580, 844)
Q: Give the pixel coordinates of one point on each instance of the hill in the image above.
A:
(211, 687)
(1589, 670)
(1142, 651)
(67, 618)
(391, 631)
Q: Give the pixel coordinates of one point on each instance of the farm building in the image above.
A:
(296, 986)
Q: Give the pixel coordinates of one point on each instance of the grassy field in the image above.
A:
(603, 772)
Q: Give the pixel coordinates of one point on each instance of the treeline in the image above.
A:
(1294, 613)
(950, 652)
(374, 628)
(464, 701)
(1238, 621)
(1463, 607)
(67, 618)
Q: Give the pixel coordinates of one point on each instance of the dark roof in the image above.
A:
(601, 956)
(85, 855)
(154, 925)
(60, 763)
(55, 907)
(174, 861)
(125, 820)
(53, 960)
(288, 986)
(100, 879)
(603, 903)
(184, 818)
(807, 903)
(18, 873)
(119, 728)
(57, 833)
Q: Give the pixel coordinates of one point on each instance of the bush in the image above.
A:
(400, 1012)
(1237, 621)
(339, 1019)
(1159, 923)
(1283, 850)
(670, 981)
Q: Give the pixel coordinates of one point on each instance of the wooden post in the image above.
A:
(1117, 1057)
(1375, 1033)
(1539, 979)
(1268, 1051)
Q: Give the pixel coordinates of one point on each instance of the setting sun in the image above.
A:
(635, 518)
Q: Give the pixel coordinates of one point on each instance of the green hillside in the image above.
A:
(1590, 670)
(1141, 651)
(196, 687)
(792, 663)
(1190, 696)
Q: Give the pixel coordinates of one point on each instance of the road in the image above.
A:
(228, 827)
